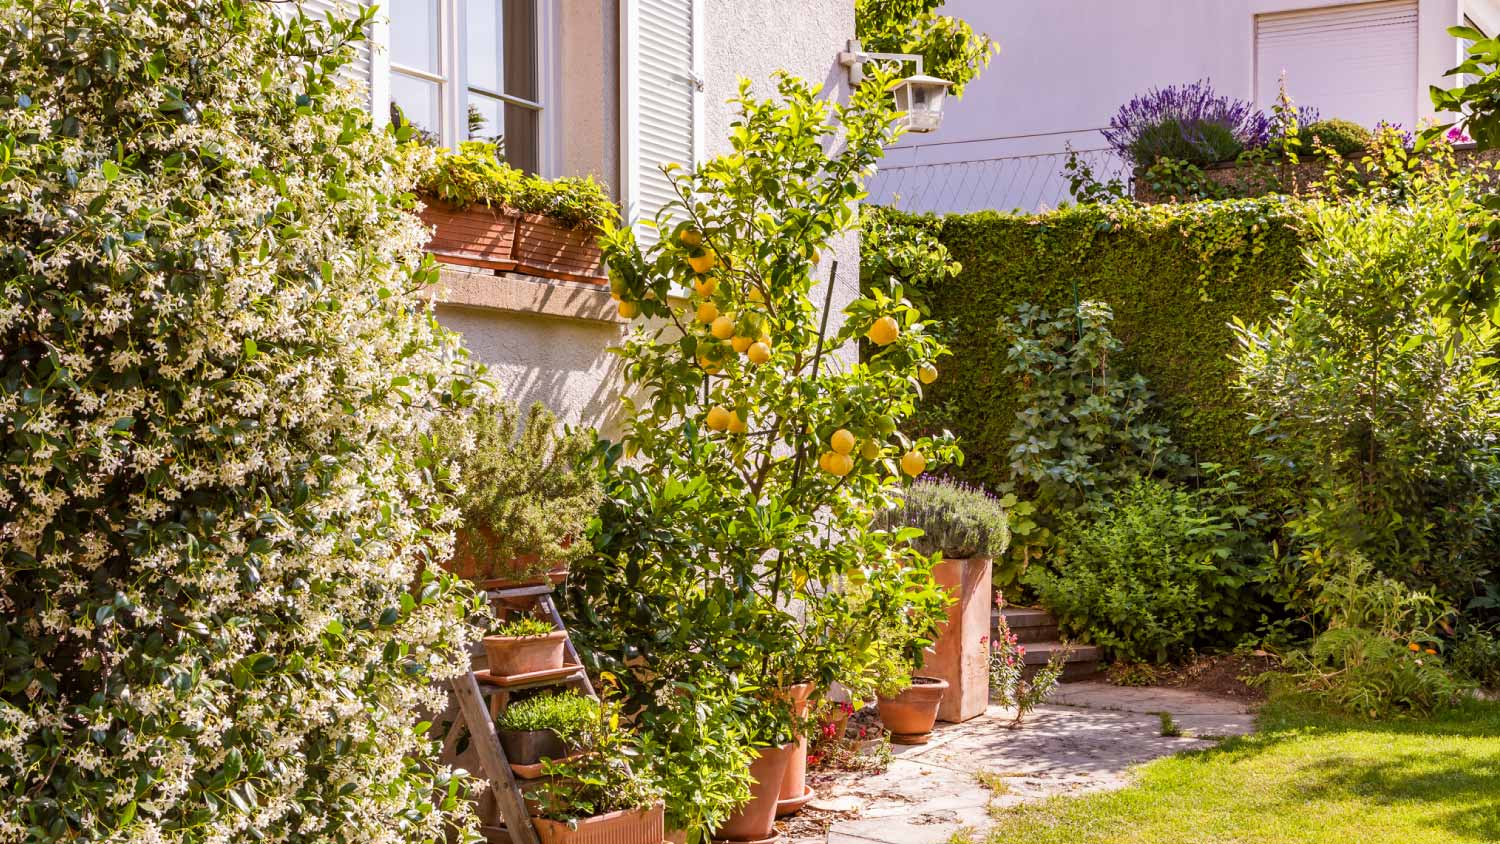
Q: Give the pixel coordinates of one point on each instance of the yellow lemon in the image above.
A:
(817, 257)
(629, 310)
(884, 331)
(740, 344)
(709, 366)
(708, 312)
(842, 441)
(755, 295)
(927, 374)
(718, 418)
(704, 261)
(706, 285)
(913, 463)
(722, 327)
(885, 425)
(836, 464)
(870, 450)
(737, 424)
(691, 237)
(759, 353)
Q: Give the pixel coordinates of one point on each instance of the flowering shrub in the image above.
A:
(218, 609)
(1186, 122)
(1009, 685)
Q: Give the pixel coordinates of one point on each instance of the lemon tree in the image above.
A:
(736, 550)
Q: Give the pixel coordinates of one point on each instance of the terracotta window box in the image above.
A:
(503, 240)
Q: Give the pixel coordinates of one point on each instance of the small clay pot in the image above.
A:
(910, 715)
(524, 654)
(528, 747)
(629, 826)
(756, 820)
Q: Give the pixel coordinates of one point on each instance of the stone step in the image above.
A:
(1027, 624)
(1038, 653)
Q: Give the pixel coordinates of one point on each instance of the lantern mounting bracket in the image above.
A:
(855, 58)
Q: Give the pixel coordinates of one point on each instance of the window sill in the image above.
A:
(523, 294)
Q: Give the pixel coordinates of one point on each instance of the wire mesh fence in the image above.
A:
(1019, 182)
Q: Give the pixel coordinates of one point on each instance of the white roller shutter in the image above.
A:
(1358, 62)
(663, 101)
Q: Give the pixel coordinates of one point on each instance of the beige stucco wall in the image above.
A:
(550, 343)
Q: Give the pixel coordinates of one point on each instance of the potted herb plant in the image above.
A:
(524, 645)
(601, 794)
(488, 214)
(966, 528)
(548, 726)
(524, 499)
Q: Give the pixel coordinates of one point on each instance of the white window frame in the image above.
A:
(454, 83)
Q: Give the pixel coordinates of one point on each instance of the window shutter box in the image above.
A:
(1357, 62)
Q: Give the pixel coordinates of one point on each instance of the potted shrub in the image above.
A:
(966, 528)
(488, 214)
(523, 646)
(548, 726)
(524, 499)
(600, 795)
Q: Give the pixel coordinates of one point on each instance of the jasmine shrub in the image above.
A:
(218, 606)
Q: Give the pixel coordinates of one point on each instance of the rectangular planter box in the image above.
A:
(477, 236)
(549, 249)
(528, 747)
(642, 826)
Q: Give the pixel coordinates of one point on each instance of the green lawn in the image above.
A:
(1304, 779)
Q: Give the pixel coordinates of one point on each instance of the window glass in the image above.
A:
(520, 49)
(414, 35)
(486, 119)
(418, 101)
(483, 22)
(522, 137)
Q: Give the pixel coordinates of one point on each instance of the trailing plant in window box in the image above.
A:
(526, 501)
(761, 449)
(476, 174)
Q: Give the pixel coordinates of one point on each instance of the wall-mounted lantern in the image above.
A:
(920, 97)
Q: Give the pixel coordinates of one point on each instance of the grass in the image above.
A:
(1305, 778)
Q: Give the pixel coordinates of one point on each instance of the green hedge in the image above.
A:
(1175, 276)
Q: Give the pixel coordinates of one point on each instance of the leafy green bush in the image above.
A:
(569, 715)
(1377, 655)
(1345, 137)
(525, 493)
(950, 47)
(1386, 428)
(1084, 428)
(1476, 655)
(222, 616)
(524, 628)
(475, 174)
(956, 521)
(608, 774)
(1149, 577)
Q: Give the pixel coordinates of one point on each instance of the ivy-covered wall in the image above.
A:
(1175, 276)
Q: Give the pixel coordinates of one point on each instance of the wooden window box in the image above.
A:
(502, 240)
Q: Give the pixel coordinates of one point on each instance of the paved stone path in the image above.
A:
(1085, 739)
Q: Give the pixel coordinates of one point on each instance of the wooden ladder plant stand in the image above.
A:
(477, 715)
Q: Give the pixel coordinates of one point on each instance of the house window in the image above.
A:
(470, 69)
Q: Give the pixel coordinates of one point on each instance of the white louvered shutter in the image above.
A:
(1358, 62)
(362, 69)
(662, 125)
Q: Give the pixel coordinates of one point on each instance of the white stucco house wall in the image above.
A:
(608, 88)
(1066, 66)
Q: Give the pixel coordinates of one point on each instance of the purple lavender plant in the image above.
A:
(1188, 122)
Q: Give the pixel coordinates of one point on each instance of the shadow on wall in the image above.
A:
(563, 363)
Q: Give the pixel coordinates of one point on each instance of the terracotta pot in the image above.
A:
(477, 236)
(961, 654)
(630, 826)
(910, 715)
(547, 248)
(528, 747)
(524, 654)
(756, 820)
(794, 784)
(471, 562)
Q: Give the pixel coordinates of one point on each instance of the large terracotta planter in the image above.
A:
(546, 248)
(756, 821)
(910, 715)
(524, 654)
(961, 653)
(471, 562)
(476, 236)
(794, 793)
(634, 826)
